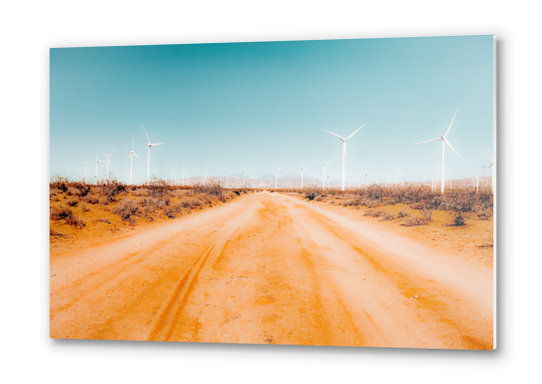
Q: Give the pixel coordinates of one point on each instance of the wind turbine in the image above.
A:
(108, 163)
(173, 177)
(86, 168)
(444, 140)
(432, 177)
(324, 175)
(149, 145)
(98, 161)
(301, 170)
(344, 149)
(396, 172)
(244, 171)
(276, 173)
(205, 173)
(130, 156)
(227, 175)
(184, 174)
(367, 176)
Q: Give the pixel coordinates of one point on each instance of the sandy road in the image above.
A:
(270, 268)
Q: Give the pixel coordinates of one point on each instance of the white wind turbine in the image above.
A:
(98, 161)
(173, 177)
(344, 149)
(149, 145)
(444, 140)
(205, 175)
(184, 173)
(108, 163)
(227, 175)
(276, 174)
(367, 176)
(301, 170)
(432, 177)
(131, 157)
(324, 175)
(244, 171)
(396, 172)
(86, 168)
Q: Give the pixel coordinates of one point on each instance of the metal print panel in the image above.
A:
(331, 193)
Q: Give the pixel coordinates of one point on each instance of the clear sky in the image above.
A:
(262, 103)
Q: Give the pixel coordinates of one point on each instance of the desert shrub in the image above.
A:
(386, 216)
(104, 200)
(157, 187)
(73, 202)
(74, 191)
(459, 219)
(53, 192)
(84, 207)
(416, 220)
(102, 220)
(56, 233)
(369, 212)
(60, 213)
(311, 196)
(169, 212)
(484, 214)
(76, 222)
(141, 192)
(427, 214)
(127, 209)
(402, 213)
(91, 199)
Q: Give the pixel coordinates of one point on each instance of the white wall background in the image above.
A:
(28, 29)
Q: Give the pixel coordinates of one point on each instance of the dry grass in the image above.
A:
(73, 204)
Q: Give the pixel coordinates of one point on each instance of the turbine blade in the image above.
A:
(355, 131)
(152, 145)
(149, 140)
(490, 156)
(453, 149)
(450, 126)
(133, 142)
(329, 161)
(112, 152)
(318, 162)
(137, 156)
(128, 157)
(427, 141)
(334, 134)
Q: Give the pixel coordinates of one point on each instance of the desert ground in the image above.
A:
(275, 268)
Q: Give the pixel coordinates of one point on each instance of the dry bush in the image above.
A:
(427, 214)
(386, 216)
(102, 220)
(402, 213)
(74, 192)
(169, 212)
(60, 213)
(91, 199)
(127, 209)
(84, 207)
(73, 201)
(414, 221)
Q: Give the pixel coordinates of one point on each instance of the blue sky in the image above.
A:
(262, 103)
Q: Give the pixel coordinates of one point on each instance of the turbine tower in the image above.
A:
(276, 173)
(444, 140)
(86, 169)
(184, 173)
(205, 175)
(173, 177)
(149, 145)
(396, 172)
(324, 175)
(301, 170)
(344, 149)
(108, 163)
(432, 177)
(98, 161)
(227, 175)
(244, 171)
(492, 171)
(367, 176)
(130, 156)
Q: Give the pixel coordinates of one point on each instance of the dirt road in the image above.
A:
(271, 268)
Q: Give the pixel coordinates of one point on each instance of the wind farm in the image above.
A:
(228, 237)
